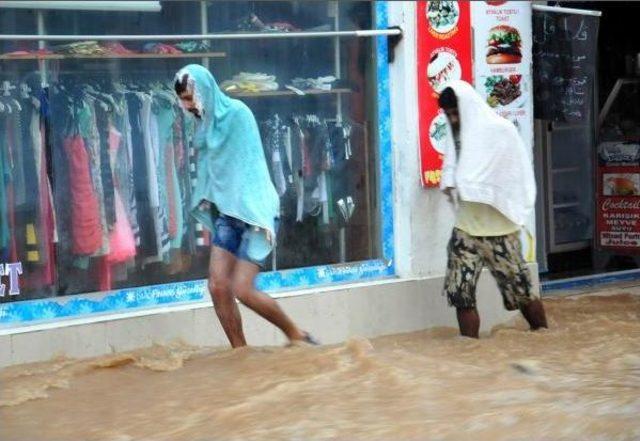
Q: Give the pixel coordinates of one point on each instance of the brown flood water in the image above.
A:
(580, 380)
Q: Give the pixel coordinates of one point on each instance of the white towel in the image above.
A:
(494, 166)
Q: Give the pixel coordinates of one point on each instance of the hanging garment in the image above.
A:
(48, 222)
(123, 169)
(165, 116)
(5, 177)
(122, 242)
(86, 225)
(29, 212)
(158, 196)
(150, 139)
(178, 169)
(89, 131)
(106, 174)
(148, 245)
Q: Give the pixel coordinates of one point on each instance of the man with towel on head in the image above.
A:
(235, 199)
(488, 175)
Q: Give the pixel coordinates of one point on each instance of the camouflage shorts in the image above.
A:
(501, 254)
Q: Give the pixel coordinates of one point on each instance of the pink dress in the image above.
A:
(86, 228)
(122, 244)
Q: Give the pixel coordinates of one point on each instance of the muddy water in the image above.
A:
(580, 380)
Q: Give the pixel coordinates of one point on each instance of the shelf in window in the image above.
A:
(566, 170)
(567, 205)
(112, 56)
(283, 93)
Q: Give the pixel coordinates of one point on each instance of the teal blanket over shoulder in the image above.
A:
(232, 171)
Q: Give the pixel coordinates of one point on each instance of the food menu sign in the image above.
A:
(499, 63)
(565, 54)
(444, 54)
(503, 38)
(502, 34)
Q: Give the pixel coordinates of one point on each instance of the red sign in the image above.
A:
(618, 213)
(444, 54)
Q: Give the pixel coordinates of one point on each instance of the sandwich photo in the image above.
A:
(504, 45)
(443, 67)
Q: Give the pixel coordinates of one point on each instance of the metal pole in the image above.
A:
(228, 36)
(204, 26)
(337, 55)
(343, 244)
(42, 64)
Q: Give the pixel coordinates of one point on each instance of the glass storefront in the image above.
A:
(96, 157)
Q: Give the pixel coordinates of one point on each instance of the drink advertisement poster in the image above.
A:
(618, 200)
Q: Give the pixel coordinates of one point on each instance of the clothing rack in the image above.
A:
(47, 75)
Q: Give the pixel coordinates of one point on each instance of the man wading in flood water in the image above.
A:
(235, 199)
(488, 175)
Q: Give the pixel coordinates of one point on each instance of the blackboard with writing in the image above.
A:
(564, 66)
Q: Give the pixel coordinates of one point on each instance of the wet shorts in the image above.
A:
(232, 235)
(467, 255)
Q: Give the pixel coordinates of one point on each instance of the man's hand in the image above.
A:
(450, 192)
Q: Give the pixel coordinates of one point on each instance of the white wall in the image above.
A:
(423, 217)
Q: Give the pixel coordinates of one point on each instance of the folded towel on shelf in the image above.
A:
(160, 48)
(320, 83)
(82, 48)
(191, 47)
(253, 23)
(250, 82)
(117, 48)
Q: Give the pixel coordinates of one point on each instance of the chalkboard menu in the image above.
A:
(564, 66)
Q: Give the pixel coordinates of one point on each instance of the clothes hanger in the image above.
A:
(7, 87)
(24, 90)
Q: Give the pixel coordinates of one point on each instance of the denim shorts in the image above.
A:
(232, 235)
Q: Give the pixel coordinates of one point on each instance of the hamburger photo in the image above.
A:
(504, 45)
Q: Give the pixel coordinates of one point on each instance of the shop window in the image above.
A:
(96, 157)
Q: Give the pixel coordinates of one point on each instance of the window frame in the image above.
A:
(280, 283)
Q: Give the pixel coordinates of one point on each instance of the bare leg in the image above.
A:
(221, 268)
(469, 322)
(243, 286)
(534, 313)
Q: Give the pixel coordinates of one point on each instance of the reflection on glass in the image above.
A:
(96, 165)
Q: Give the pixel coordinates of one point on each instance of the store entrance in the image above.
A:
(587, 157)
